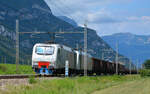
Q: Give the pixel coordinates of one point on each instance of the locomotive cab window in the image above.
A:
(44, 50)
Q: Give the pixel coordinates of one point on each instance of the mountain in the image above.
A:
(7, 48)
(70, 21)
(36, 15)
(133, 46)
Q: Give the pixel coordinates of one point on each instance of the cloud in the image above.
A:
(104, 19)
(79, 9)
(144, 19)
(133, 24)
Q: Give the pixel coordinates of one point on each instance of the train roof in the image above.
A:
(64, 47)
(58, 45)
(121, 63)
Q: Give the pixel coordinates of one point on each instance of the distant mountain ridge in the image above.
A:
(133, 46)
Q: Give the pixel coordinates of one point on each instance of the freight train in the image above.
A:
(50, 59)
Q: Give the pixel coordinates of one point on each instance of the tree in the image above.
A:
(147, 64)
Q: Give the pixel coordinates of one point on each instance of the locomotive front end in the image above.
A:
(43, 58)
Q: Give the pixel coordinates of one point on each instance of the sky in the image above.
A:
(106, 16)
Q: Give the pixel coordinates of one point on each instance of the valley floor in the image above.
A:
(141, 86)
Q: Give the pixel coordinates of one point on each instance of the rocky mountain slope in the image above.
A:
(35, 15)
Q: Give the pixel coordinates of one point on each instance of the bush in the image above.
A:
(3, 68)
(32, 80)
(147, 64)
(145, 73)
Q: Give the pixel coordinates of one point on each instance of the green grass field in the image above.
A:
(82, 85)
(141, 86)
(6, 69)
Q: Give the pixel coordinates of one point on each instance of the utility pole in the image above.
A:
(130, 66)
(2, 59)
(85, 49)
(117, 58)
(141, 65)
(5, 60)
(77, 46)
(137, 65)
(17, 44)
(102, 56)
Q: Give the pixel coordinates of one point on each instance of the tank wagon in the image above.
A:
(50, 59)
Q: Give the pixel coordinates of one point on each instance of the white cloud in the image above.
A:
(78, 9)
(135, 25)
(102, 17)
(104, 21)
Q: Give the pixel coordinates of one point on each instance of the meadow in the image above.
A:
(75, 85)
(6, 69)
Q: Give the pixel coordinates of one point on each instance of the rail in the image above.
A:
(26, 76)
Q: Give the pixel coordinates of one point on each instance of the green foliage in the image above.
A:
(32, 80)
(147, 64)
(11, 69)
(145, 72)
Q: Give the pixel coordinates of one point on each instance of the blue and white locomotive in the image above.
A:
(50, 59)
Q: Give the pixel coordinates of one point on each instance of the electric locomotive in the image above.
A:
(50, 59)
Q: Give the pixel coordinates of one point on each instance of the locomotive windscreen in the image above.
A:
(44, 50)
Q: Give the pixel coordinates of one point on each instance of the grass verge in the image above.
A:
(141, 86)
(6, 69)
(77, 85)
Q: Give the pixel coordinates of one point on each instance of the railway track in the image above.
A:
(26, 76)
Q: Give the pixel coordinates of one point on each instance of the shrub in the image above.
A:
(147, 64)
(3, 68)
(32, 80)
(145, 73)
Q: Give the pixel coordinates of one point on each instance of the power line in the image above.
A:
(117, 58)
